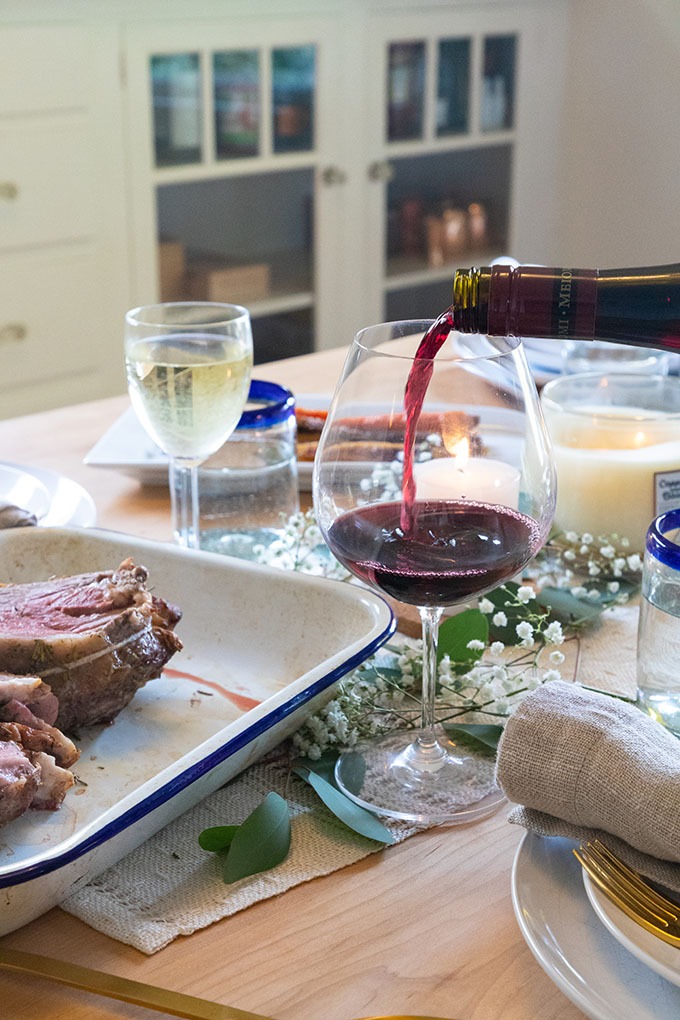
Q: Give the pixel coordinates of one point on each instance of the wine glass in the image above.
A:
(433, 483)
(188, 371)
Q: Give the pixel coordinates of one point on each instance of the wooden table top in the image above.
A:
(423, 927)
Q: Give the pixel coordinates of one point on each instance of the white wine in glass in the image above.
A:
(188, 370)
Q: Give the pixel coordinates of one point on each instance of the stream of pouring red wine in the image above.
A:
(414, 396)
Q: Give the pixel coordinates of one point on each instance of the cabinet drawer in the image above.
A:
(55, 321)
(42, 67)
(47, 182)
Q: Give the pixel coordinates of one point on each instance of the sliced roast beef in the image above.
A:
(30, 692)
(48, 739)
(19, 781)
(94, 638)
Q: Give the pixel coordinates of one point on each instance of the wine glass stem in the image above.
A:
(428, 743)
(184, 504)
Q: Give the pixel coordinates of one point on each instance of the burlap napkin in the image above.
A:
(583, 764)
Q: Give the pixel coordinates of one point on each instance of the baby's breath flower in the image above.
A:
(524, 630)
(525, 593)
(475, 645)
(499, 619)
(496, 648)
(556, 658)
(553, 633)
(486, 606)
(551, 674)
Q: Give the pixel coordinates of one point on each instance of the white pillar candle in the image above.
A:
(476, 478)
(615, 471)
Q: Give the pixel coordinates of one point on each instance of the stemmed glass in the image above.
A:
(188, 371)
(432, 506)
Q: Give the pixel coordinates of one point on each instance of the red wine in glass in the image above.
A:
(452, 550)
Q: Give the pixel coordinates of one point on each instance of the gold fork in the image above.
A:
(630, 893)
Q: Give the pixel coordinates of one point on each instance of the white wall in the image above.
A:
(619, 174)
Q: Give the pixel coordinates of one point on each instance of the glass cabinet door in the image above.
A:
(237, 102)
(293, 90)
(453, 87)
(446, 167)
(177, 110)
(231, 195)
(498, 83)
(406, 91)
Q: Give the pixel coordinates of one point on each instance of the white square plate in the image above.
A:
(263, 648)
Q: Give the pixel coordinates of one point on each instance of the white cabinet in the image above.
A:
(350, 161)
(63, 268)
(327, 163)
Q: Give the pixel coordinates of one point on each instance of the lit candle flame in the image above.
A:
(461, 454)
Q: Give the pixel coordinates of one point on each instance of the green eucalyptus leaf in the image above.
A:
(354, 816)
(323, 766)
(485, 734)
(218, 837)
(456, 631)
(261, 842)
(568, 608)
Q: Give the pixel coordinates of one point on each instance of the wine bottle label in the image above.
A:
(543, 301)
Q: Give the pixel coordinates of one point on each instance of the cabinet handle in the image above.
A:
(333, 175)
(9, 191)
(382, 170)
(13, 331)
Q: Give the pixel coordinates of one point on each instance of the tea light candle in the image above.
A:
(476, 478)
(615, 472)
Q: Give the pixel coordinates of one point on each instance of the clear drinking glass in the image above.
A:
(475, 509)
(188, 370)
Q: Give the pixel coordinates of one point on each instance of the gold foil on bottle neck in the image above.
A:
(471, 299)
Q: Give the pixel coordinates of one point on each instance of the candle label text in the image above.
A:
(666, 491)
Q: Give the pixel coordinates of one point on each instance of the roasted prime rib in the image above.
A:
(94, 638)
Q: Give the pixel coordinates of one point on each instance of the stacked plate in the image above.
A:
(607, 965)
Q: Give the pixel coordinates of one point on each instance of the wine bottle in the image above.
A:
(627, 306)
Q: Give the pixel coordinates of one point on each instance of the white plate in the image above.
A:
(55, 500)
(660, 956)
(126, 447)
(262, 649)
(583, 959)
(23, 490)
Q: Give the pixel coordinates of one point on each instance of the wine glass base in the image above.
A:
(394, 780)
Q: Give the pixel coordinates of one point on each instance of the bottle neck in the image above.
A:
(526, 301)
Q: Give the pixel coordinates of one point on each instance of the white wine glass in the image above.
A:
(188, 371)
(433, 483)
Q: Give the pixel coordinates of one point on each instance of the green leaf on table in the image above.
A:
(353, 815)
(455, 632)
(259, 843)
(568, 608)
(485, 735)
(217, 838)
